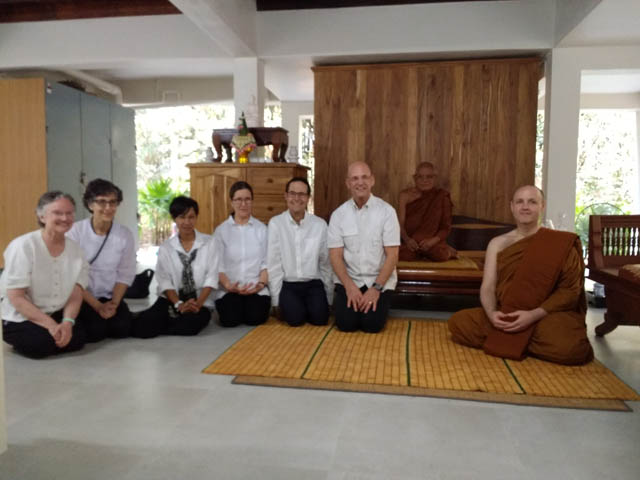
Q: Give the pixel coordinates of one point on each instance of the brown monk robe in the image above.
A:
(561, 335)
(424, 212)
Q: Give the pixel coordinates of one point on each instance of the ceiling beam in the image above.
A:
(12, 11)
(231, 25)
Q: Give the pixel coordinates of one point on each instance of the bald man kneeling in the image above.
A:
(363, 240)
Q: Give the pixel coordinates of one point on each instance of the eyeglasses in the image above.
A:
(103, 203)
(242, 200)
(298, 194)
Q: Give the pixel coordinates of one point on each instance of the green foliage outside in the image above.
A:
(607, 167)
(167, 140)
(153, 202)
(607, 171)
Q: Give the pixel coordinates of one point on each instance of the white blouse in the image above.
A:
(116, 262)
(49, 280)
(242, 251)
(363, 233)
(298, 253)
(169, 267)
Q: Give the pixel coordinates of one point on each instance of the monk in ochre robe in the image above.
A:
(424, 213)
(532, 292)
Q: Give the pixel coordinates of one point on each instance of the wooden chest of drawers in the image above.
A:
(210, 184)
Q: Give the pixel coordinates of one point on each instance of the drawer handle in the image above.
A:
(269, 180)
(270, 209)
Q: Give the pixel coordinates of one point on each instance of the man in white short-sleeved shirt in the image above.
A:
(363, 240)
(300, 277)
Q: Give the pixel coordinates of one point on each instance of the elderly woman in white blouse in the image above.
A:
(110, 250)
(241, 245)
(186, 275)
(41, 286)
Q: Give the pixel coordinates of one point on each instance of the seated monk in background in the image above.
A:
(424, 213)
(532, 292)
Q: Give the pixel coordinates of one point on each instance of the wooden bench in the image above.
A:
(614, 250)
(470, 236)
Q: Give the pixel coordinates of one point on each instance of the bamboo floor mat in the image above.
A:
(412, 357)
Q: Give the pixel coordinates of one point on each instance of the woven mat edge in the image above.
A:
(511, 399)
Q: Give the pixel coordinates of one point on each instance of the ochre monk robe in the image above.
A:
(424, 212)
(561, 335)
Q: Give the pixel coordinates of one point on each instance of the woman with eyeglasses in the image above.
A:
(41, 286)
(241, 243)
(186, 275)
(110, 250)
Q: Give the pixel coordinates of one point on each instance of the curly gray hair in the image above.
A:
(48, 198)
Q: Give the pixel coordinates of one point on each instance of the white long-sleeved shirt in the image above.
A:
(169, 267)
(298, 253)
(363, 233)
(116, 262)
(242, 251)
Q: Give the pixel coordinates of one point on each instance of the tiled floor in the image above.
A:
(136, 410)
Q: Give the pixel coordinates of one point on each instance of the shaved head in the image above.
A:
(422, 165)
(524, 187)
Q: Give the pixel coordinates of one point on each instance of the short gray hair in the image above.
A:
(50, 197)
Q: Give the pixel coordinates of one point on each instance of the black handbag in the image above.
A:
(140, 286)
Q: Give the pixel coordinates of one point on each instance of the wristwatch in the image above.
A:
(177, 304)
(377, 286)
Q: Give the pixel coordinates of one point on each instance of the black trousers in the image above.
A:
(34, 341)
(156, 320)
(98, 328)
(302, 302)
(349, 320)
(235, 309)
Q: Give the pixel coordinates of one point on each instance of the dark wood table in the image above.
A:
(276, 136)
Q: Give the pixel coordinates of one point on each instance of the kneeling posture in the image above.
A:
(363, 240)
(532, 292)
(298, 260)
(186, 274)
(241, 244)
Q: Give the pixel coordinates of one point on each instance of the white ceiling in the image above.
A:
(203, 42)
(611, 22)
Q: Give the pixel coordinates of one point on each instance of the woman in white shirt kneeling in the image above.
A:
(110, 250)
(241, 244)
(186, 275)
(41, 286)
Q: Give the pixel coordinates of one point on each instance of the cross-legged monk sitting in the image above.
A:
(532, 292)
(424, 213)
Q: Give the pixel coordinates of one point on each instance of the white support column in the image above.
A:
(3, 419)
(249, 90)
(636, 205)
(562, 116)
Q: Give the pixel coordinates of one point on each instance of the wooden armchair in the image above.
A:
(614, 246)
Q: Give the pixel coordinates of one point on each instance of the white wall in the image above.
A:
(177, 91)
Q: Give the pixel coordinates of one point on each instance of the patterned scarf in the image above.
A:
(188, 286)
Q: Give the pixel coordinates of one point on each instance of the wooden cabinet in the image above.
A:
(53, 137)
(210, 184)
